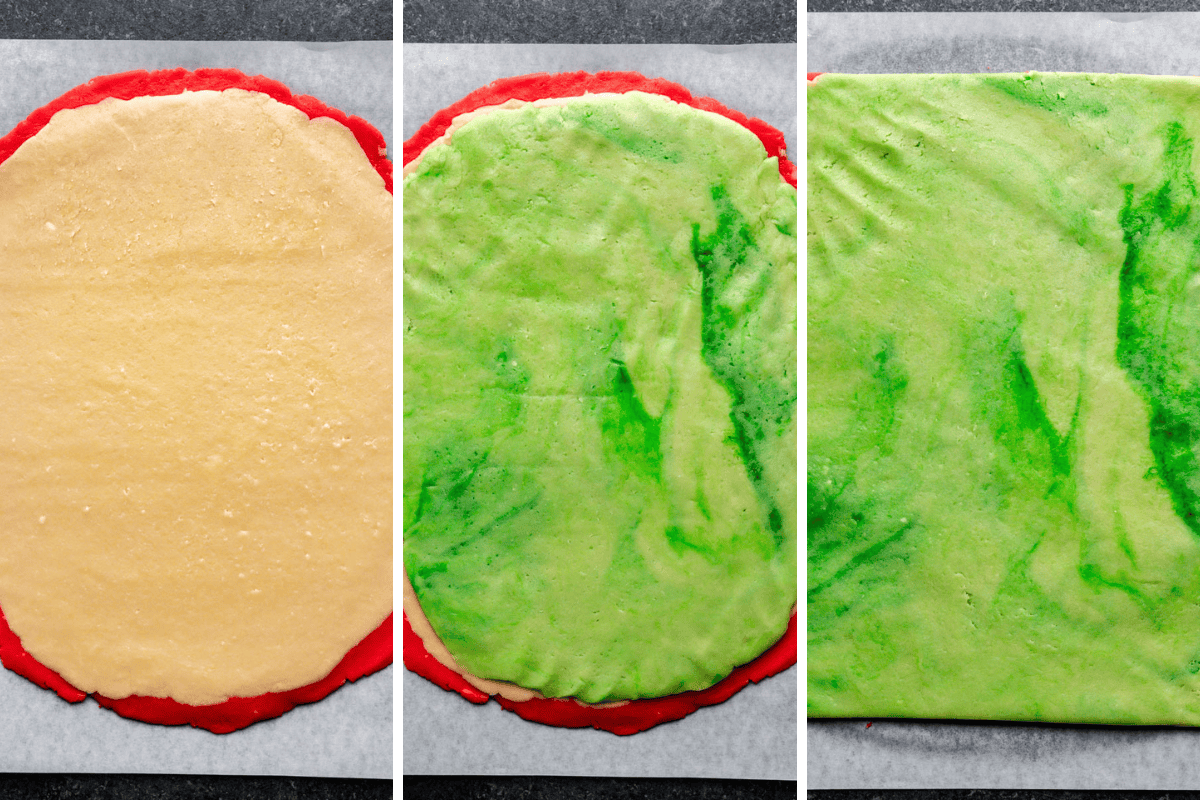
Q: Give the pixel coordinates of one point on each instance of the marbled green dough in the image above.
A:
(600, 396)
(1004, 398)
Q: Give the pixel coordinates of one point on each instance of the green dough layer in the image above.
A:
(1004, 397)
(600, 396)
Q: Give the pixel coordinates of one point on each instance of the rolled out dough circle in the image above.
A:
(424, 653)
(195, 436)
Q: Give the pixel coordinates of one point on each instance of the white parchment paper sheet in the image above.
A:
(757, 80)
(349, 734)
(845, 754)
(753, 735)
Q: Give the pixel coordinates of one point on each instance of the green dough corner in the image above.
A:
(1004, 398)
(600, 396)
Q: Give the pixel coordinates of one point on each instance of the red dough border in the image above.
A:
(633, 717)
(542, 86)
(140, 83)
(637, 715)
(368, 656)
(374, 652)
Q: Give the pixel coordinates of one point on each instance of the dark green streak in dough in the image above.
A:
(448, 481)
(456, 495)
(1159, 324)
(679, 541)
(633, 433)
(1032, 414)
(841, 518)
(869, 555)
(1031, 417)
(1036, 93)
(876, 404)
(889, 377)
(758, 409)
(630, 138)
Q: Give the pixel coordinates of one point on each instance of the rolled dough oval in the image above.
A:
(195, 432)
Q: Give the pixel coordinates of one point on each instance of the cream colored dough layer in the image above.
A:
(195, 420)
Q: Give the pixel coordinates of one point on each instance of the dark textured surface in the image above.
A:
(1110, 6)
(605, 21)
(192, 787)
(199, 20)
(446, 788)
(998, 794)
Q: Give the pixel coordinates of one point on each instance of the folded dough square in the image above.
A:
(1004, 397)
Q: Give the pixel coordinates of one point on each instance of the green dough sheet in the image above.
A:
(1004, 398)
(600, 398)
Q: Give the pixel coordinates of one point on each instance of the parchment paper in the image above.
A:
(349, 734)
(758, 80)
(753, 735)
(845, 754)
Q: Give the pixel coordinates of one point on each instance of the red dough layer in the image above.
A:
(128, 85)
(637, 715)
(633, 717)
(544, 86)
(370, 655)
(374, 652)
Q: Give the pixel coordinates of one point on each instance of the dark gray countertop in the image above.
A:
(559, 788)
(1109, 6)
(606, 21)
(195, 787)
(199, 20)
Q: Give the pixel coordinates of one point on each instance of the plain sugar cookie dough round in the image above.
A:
(195, 431)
